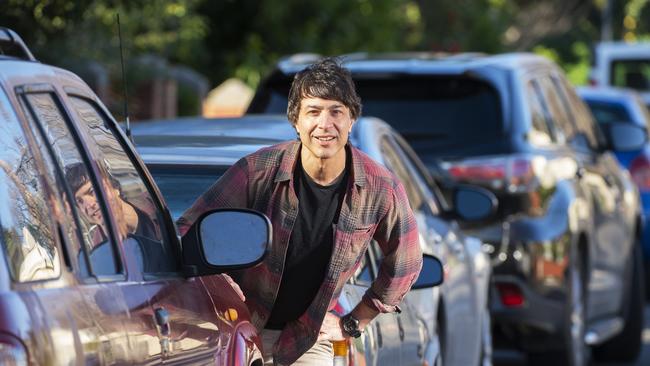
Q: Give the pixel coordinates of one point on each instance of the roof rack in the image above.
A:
(12, 45)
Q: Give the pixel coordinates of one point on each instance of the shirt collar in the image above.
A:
(292, 152)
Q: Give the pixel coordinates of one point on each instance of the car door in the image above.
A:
(464, 321)
(183, 312)
(90, 313)
(614, 222)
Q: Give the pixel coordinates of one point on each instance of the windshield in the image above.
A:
(181, 186)
(631, 74)
(431, 113)
(607, 112)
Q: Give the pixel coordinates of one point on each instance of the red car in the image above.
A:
(93, 271)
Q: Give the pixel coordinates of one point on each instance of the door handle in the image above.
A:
(161, 315)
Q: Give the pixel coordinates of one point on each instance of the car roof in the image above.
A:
(418, 62)
(606, 93)
(219, 141)
(209, 141)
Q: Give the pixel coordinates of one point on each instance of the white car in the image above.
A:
(622, 64)
(447, 325)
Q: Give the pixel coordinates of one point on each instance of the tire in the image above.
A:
(575, 352)
(627, 345)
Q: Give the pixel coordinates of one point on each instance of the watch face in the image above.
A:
(351, 326)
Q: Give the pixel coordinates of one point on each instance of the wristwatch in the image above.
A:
(351, 325)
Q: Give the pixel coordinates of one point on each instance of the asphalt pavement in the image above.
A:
(513, 358)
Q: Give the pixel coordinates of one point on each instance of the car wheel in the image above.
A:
(575, 352)
(626, 346)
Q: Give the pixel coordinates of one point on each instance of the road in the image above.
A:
(507, 358)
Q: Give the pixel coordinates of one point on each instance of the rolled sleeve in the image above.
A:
(398, 239)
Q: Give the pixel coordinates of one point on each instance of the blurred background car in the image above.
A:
(622, 65)
(614, 106)
(80, 282)
(566, 263)
(186, 156)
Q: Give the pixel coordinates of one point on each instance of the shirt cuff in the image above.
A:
(374, 303)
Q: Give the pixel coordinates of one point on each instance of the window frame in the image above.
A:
(121, 270)
(168, 229)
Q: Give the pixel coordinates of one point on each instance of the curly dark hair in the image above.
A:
(326, 79)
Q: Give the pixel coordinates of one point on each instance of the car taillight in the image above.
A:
(514, 173)
(510, 295)
(12, 351)
(640, 172)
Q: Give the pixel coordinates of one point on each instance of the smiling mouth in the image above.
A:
(324, 138)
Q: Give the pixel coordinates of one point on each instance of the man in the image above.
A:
(327, 201)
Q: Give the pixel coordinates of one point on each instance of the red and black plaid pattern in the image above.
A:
(375, 206)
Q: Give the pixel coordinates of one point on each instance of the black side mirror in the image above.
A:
(624, 136)
(431, 274)
(226, 239)
(473, 203)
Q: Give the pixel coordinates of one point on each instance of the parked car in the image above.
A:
(186, 156)
(623, 109)
(567, 270)
(92, 270)
(623, 65)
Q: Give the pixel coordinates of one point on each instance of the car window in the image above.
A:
(182, 185)
(540, 134)
(138, 217)
(433, 197)
(88, 204)
(607, 112)
(28, 232)
(556, 111)
(632, 74)
(395, 165)
(579, 112)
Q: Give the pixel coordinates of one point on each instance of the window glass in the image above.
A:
(138, 217)
(557, 113)
(424, 179)
(395, 165)
(607, 112)
(579, 111)
(182, 185)
(87, 202)
(28, 233)
(540, 134)
(632, 74)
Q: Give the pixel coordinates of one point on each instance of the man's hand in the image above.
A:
(332, 329)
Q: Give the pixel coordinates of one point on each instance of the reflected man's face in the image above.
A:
(86, 200)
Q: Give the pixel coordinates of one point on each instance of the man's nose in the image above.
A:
(325, 121)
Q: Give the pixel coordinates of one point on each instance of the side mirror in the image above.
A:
(473, 203)
(624, 136)
(226, 239)
(431, 274)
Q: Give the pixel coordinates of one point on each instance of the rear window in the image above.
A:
(423, 110)
(631, 74)
(181, 186)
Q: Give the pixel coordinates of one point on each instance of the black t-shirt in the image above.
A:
(310, 246)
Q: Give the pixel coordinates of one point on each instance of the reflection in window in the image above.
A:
(57, 133)
(136, 214)
(27, 229)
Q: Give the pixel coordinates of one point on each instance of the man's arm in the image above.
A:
(231, 190)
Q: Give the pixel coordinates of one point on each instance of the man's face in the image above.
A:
(87, 201)
(324, 126)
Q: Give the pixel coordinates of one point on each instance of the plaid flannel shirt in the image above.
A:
(375, 206)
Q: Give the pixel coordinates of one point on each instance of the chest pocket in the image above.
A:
(361, 237)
